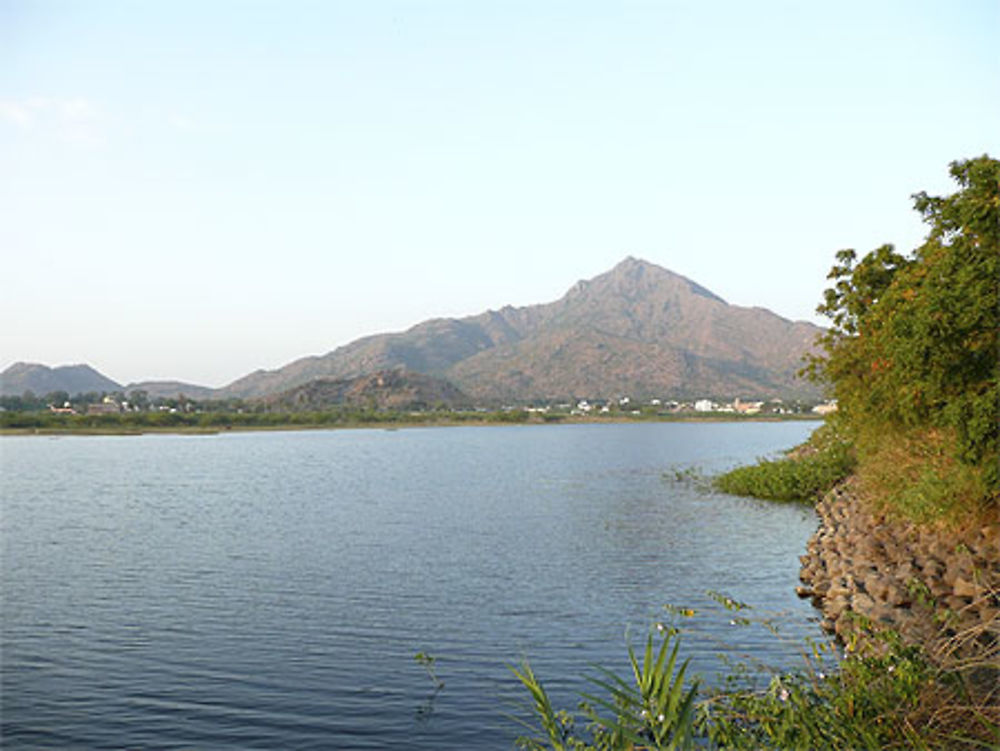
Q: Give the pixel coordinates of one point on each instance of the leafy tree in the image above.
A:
(30, 400)
(90, 397)
(56, 398)
(913, 351)
(139, 398)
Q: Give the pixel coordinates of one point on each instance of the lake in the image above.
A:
(270, 590)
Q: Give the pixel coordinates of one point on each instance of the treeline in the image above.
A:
(913, 357)
(221, 420)
(200, 419)
(913, 361)
(137, 400)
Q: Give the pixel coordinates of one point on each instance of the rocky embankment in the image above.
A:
(936, 587)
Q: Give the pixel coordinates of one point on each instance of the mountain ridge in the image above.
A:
(637, 329)
(664, 333)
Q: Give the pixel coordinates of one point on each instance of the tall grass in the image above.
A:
(896, 697)
(914, 475)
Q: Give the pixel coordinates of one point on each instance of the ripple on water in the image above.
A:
(271, 590)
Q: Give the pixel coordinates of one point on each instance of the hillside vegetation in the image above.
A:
(912, 356)
(912, 359)
(382, 390)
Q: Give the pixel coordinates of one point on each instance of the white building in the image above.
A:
(825, 409)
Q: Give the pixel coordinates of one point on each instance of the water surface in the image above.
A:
(270, 590)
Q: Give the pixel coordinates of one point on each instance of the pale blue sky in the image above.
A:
(195, 190)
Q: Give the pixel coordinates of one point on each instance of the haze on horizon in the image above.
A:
(193, 191)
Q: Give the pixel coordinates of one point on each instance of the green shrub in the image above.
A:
(654, 709)
(913, 355)
(895, 699)
(803, 477)
(892, 698)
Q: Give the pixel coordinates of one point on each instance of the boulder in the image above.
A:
(964, 588)
(862, 603)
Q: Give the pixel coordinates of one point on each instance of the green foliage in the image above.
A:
(508, 415)
(891, 697)
(654, 709)
(226, 419)
(556, 727)
(29, 401)
(803, 477)
(428, 661)
(868, 704)
(913, 355)
(918, 474)
(208, 416)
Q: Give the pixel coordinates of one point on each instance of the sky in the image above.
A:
(194, 190)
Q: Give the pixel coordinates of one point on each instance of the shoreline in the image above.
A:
(208, 430)
(866, 571)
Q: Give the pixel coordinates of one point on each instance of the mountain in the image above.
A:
(80, 379)
(42, 380)
(637, 330)
(386, 389)
(171, 389)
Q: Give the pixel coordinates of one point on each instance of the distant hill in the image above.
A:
(42, 380)
(386, 389)
(637, 330)
(81, 379)
(171, 389)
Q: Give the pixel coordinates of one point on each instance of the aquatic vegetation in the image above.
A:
(427, 661)
(893, 697)
(655, 709)
(802, 476)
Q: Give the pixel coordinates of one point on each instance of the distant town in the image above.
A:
(139, 401)
(658, 406)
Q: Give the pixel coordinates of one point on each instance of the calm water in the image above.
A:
(270, 590)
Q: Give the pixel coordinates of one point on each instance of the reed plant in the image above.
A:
(890, 695)
(653, 708)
